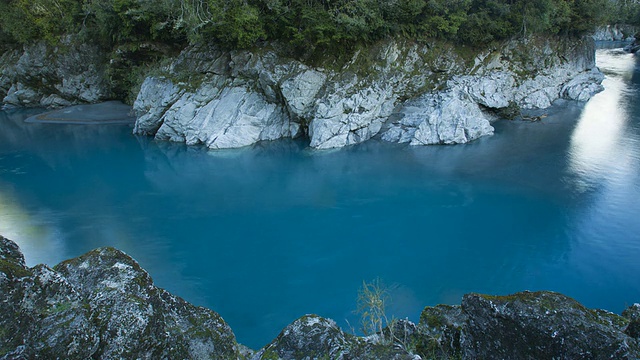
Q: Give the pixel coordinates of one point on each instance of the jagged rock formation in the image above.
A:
(399, 90)
(102, 305)
(42, 75)
(540, 325)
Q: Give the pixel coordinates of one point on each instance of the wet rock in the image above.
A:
(444, 118)
(439, 332)
(103, 305)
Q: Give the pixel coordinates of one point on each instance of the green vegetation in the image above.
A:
(304, 25)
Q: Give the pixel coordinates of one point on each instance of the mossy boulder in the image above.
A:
(101, 305)
(526, 325)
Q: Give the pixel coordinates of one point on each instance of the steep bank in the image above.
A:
(48, 76)
(103, 305)
(401, 91)
(398, 90)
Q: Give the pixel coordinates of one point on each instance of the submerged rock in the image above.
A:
(101, 305)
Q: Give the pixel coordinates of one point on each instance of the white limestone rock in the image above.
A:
(340, 121)
(441, 118)
(300, 91)
(154, 99)
(245, 97)
(231, 117)
(583, 86)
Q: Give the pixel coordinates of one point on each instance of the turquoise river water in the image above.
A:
(269, 233)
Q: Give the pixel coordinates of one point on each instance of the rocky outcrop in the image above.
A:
(101, 305)
(54, 76)
(540, 325)
(314, 337)
(400, 91)
(616, 32)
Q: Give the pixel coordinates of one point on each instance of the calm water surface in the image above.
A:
(266, 234)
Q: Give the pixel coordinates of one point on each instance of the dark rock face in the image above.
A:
(101, 305)
(541, 325)
(538, 325)
(440, 331)
(633, 315)
(42, 75)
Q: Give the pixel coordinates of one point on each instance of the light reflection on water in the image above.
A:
(597, 146)
(266, 234)
(605, 161)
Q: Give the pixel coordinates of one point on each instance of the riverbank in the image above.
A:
(397, 90)
(104, 305)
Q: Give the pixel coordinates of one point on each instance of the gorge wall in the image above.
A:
(103, 305)
(399, 91)
(396, 90)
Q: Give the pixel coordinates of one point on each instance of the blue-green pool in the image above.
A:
(266, 234)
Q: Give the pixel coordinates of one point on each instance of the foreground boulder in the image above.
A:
(527, 325)
(101, 305)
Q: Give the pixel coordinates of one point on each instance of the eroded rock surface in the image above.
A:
(101, 305)
(399, 90)
(42, 75)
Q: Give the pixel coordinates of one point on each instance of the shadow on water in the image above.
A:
(268, 233)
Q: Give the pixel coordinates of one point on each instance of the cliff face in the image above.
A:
(399, 91)
(102, 305)
(42, 75)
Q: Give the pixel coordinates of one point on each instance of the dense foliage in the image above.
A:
(303, 24)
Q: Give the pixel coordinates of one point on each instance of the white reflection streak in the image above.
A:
(596, 142)
(39, 243)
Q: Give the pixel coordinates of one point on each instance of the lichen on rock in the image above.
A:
(53, 76)
(101, 305)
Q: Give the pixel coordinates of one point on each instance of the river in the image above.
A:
(269, 233)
